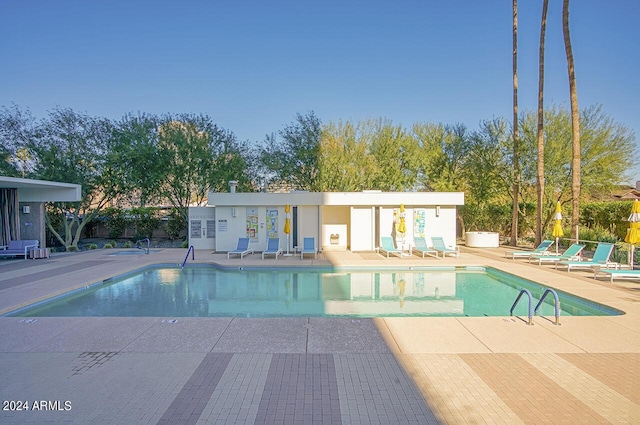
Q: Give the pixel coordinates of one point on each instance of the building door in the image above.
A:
(202, 227)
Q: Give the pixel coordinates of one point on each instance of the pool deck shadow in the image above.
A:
(384, 370)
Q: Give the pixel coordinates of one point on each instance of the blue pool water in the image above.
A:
(212, 292)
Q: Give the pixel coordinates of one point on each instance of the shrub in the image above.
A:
(185, 244)
(108, 245)
(92, 246)
(127, 244)
(72, 249)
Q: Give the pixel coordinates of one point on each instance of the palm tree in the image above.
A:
(575, 123)
(540, 186)
(516, 169)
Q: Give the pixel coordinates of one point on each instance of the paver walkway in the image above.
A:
(313, 370)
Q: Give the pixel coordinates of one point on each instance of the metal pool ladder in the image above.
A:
(556, 304)
(524, 291)
(193, 256)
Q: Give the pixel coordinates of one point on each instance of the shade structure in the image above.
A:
(633, 234)
(557, 231)
(287, 224)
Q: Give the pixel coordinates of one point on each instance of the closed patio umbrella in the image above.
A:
(287, 224)
(557, 227)
(402, 225)
(633, 234)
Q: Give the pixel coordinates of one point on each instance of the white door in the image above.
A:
(202, 227)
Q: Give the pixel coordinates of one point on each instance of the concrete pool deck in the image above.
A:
(311, 370)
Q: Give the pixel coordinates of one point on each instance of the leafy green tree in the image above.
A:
(444, 149)
(133, 152)
(196, 156)
(397, 157)
(294, 160)
(17, 128)
(71, 147)
(608, 152)
(345, 162)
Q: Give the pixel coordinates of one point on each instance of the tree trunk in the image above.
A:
(575, 124)
(516, 169)
(540, 186)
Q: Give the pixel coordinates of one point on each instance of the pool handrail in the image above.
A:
(141, 240)
(556, 304)
(193, 256)
(524, 291)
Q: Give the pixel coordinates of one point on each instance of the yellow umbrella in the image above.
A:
(287, 224)
(633, 234)
(402, 225)
(557, 227)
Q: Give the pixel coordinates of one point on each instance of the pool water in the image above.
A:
(212, 292)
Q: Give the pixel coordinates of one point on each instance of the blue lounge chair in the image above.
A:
(388, 247)
(309, 247)
(600, 259)
(616, 274)
(273, 248)
(441, 247)
(242, 249)
(541, 249)
(571, 254)
(422, 248)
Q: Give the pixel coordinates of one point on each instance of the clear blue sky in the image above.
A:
(252, 65)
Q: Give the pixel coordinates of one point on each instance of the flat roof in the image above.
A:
(30, 190)
(367, 198)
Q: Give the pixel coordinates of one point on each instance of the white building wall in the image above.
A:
(308, 224)
(362, 229)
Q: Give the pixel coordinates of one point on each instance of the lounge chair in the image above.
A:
(616, 274)
(242, 249)
(440, 246)
(18, 248)
(600, 259)
(309, 247)
(571, 254)
(541, 249)
(273, 248)
(388, 246)
(422, 248)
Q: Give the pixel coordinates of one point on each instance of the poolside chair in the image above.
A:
(600, 260)
(571, 254)
(616, 274)
(422, 248)
(19, 248)
(541, 249)
(309, 247)
(273, 248)
(440, 246)
(242, 249)
(388, 247)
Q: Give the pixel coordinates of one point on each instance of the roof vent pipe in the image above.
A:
(232, 186)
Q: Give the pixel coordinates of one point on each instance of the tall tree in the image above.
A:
(513, 240)
(71, 147)
(575, 124)
(540, 168)
(293, 162)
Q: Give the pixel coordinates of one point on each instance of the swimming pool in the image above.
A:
(208, 291)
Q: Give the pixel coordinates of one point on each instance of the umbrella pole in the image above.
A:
(557, 242)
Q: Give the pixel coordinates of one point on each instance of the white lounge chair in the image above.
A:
(309, 247)
(616, 274)
(273, 248)
(539, 250)
(600, 260)
(388, 247)
(441, 247)
(422, 248)
(242, 249)
(571, 254)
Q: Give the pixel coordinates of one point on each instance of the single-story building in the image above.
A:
(22, 206)
(352, 221)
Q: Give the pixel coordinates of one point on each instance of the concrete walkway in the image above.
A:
(313, 370)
